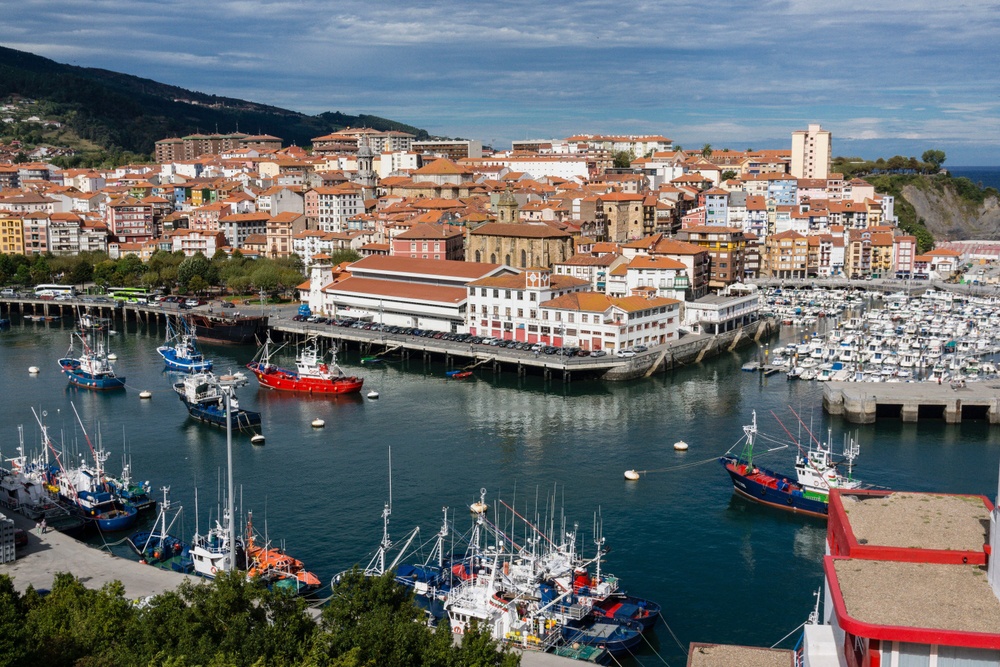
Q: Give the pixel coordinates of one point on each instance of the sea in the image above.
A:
(724, 569)
(987, 177)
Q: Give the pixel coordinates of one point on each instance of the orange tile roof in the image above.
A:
(445, 267)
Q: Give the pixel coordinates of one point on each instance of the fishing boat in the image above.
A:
(84, 487)
(139, 495)
(92, 369)
(204, 396)
(217, 550)
(311, 375)
(180, 353)
(235, 329)
(807, 492)
(276, 568)
(24, 488)
(158, 547)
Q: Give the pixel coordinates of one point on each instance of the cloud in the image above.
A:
(707, 72)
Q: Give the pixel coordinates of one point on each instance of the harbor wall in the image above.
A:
(867, 402)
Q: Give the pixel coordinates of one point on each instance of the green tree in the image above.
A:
(375, 616)
(345, 255)
(622, 159)
(13, 640)
(935, 158)
(104, 273)
(196, 265)
(706, 151)
(729, 174)
(82, 272)
(197, 285)
(41, 272)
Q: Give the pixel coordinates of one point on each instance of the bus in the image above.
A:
(131, 294)
(52, 291)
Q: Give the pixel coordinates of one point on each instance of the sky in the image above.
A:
(886, 77)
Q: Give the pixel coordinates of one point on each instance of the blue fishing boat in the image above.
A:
(806, 492)
(92, 369)
(158, 547)
(204, 396)
(180, 353)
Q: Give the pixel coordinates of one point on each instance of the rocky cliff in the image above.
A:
(952, 215)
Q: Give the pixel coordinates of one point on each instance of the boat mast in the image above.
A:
(227, 390)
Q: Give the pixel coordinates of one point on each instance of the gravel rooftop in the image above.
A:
(919, 595)
(728, 655)
(919, 521)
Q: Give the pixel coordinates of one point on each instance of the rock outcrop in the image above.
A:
(949, 217)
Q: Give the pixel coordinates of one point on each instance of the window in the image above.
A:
(507, 294)
(569, 317)
(496, 294)
(520, 312)
(520, 295)
(532, 296)
(483, 292)
(583, 318)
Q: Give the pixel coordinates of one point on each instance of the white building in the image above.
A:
(811, 152)
(594, 321)
(730, 309)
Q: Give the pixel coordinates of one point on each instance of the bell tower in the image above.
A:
(507, 207)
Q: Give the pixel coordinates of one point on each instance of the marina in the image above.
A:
(515, 435)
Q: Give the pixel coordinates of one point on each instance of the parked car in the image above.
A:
(625, 354)
(8, 292)
(599, 353)
(639, 348)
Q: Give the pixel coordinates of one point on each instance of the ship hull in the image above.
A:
(242, 330)
(78, 378)
(279, 379)
(765, 487)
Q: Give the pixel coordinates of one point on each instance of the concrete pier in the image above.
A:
(865, 402)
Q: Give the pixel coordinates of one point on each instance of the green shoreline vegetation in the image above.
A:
(231, 621)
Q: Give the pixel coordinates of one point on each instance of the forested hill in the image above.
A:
(119, 112)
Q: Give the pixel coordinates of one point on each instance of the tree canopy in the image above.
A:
(230, 621)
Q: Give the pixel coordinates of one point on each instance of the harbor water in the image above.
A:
(725, 570)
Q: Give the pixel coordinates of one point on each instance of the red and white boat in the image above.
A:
(311, 375)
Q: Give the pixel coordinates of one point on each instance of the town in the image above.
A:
(595, 242)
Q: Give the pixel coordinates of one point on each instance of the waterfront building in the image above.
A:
(908, 581)
(734, 307)
(811, 152)
(594, 321)
(400, 291)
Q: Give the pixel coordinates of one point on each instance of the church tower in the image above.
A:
(507, 207)
(366, 163)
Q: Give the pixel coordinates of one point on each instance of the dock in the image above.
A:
(866, 402)
(47, 555)
(688, 348)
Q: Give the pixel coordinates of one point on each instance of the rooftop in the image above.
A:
(727, 655)
(955, 598)
(918, 520)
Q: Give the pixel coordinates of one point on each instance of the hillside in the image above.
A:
(942, 208)
(119, 112)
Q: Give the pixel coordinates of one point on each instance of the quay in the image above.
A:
(865, 402)
(47, 555)
(689, 348)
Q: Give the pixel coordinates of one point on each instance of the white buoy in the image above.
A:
(33, 370)
(479, 507)
(373, 394)
(145, 393)
(318, 423)
(681, 446)
(112, 356)
(257, 439)
(631, 475)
